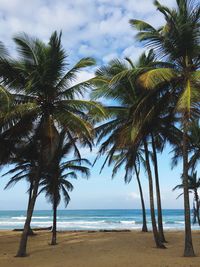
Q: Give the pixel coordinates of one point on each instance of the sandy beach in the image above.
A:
(97, 249)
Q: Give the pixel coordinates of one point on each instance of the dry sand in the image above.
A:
(98, 249)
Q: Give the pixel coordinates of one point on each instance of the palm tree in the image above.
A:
(123, 157)
(24, 161)
(193, 185)
(53, 188)
(9, 135)
(178, 42)
(118, 82)
(48, 97)
(159, 206)
(144, 220)
(24, 168)
(55, 179)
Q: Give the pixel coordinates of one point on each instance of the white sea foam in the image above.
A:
(91, 220)
(102, 224)
(7, 223)
(179, 222)
(128, 222)
(34, 217)
(43, 217)
(19, 218)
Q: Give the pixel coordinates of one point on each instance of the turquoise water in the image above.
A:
(92, 219)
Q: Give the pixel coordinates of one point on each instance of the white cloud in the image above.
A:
(91, 27)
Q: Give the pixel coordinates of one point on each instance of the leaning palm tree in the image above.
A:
(193, 185)
(55, 181)
(178, 42)
(48, 98)
(24, 162)
(23, 170)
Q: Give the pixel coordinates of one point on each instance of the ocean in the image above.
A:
(92, 219)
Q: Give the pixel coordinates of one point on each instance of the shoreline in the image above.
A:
(98, 249)
(38, 230)
(171, 230)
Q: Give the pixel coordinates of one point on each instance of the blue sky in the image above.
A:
(97, 28)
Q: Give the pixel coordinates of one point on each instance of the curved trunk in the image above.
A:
(24, 237)
(188, 250)
(197, 205)
(54, 230)
(144, 221)
(159, 206)
(158, 242)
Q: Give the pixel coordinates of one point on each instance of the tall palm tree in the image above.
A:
(119, 82)
(177, 41)
(158, 195)
(55, 181)
(47, 91)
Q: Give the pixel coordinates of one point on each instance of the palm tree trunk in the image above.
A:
(54, 230)
(144, 221)
(159, 206)
(194, 213)
(197, 205)
(30, 232)
(158, 242)
(24, 237)
(188, 250)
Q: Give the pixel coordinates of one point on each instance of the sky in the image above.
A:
(100, 29)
